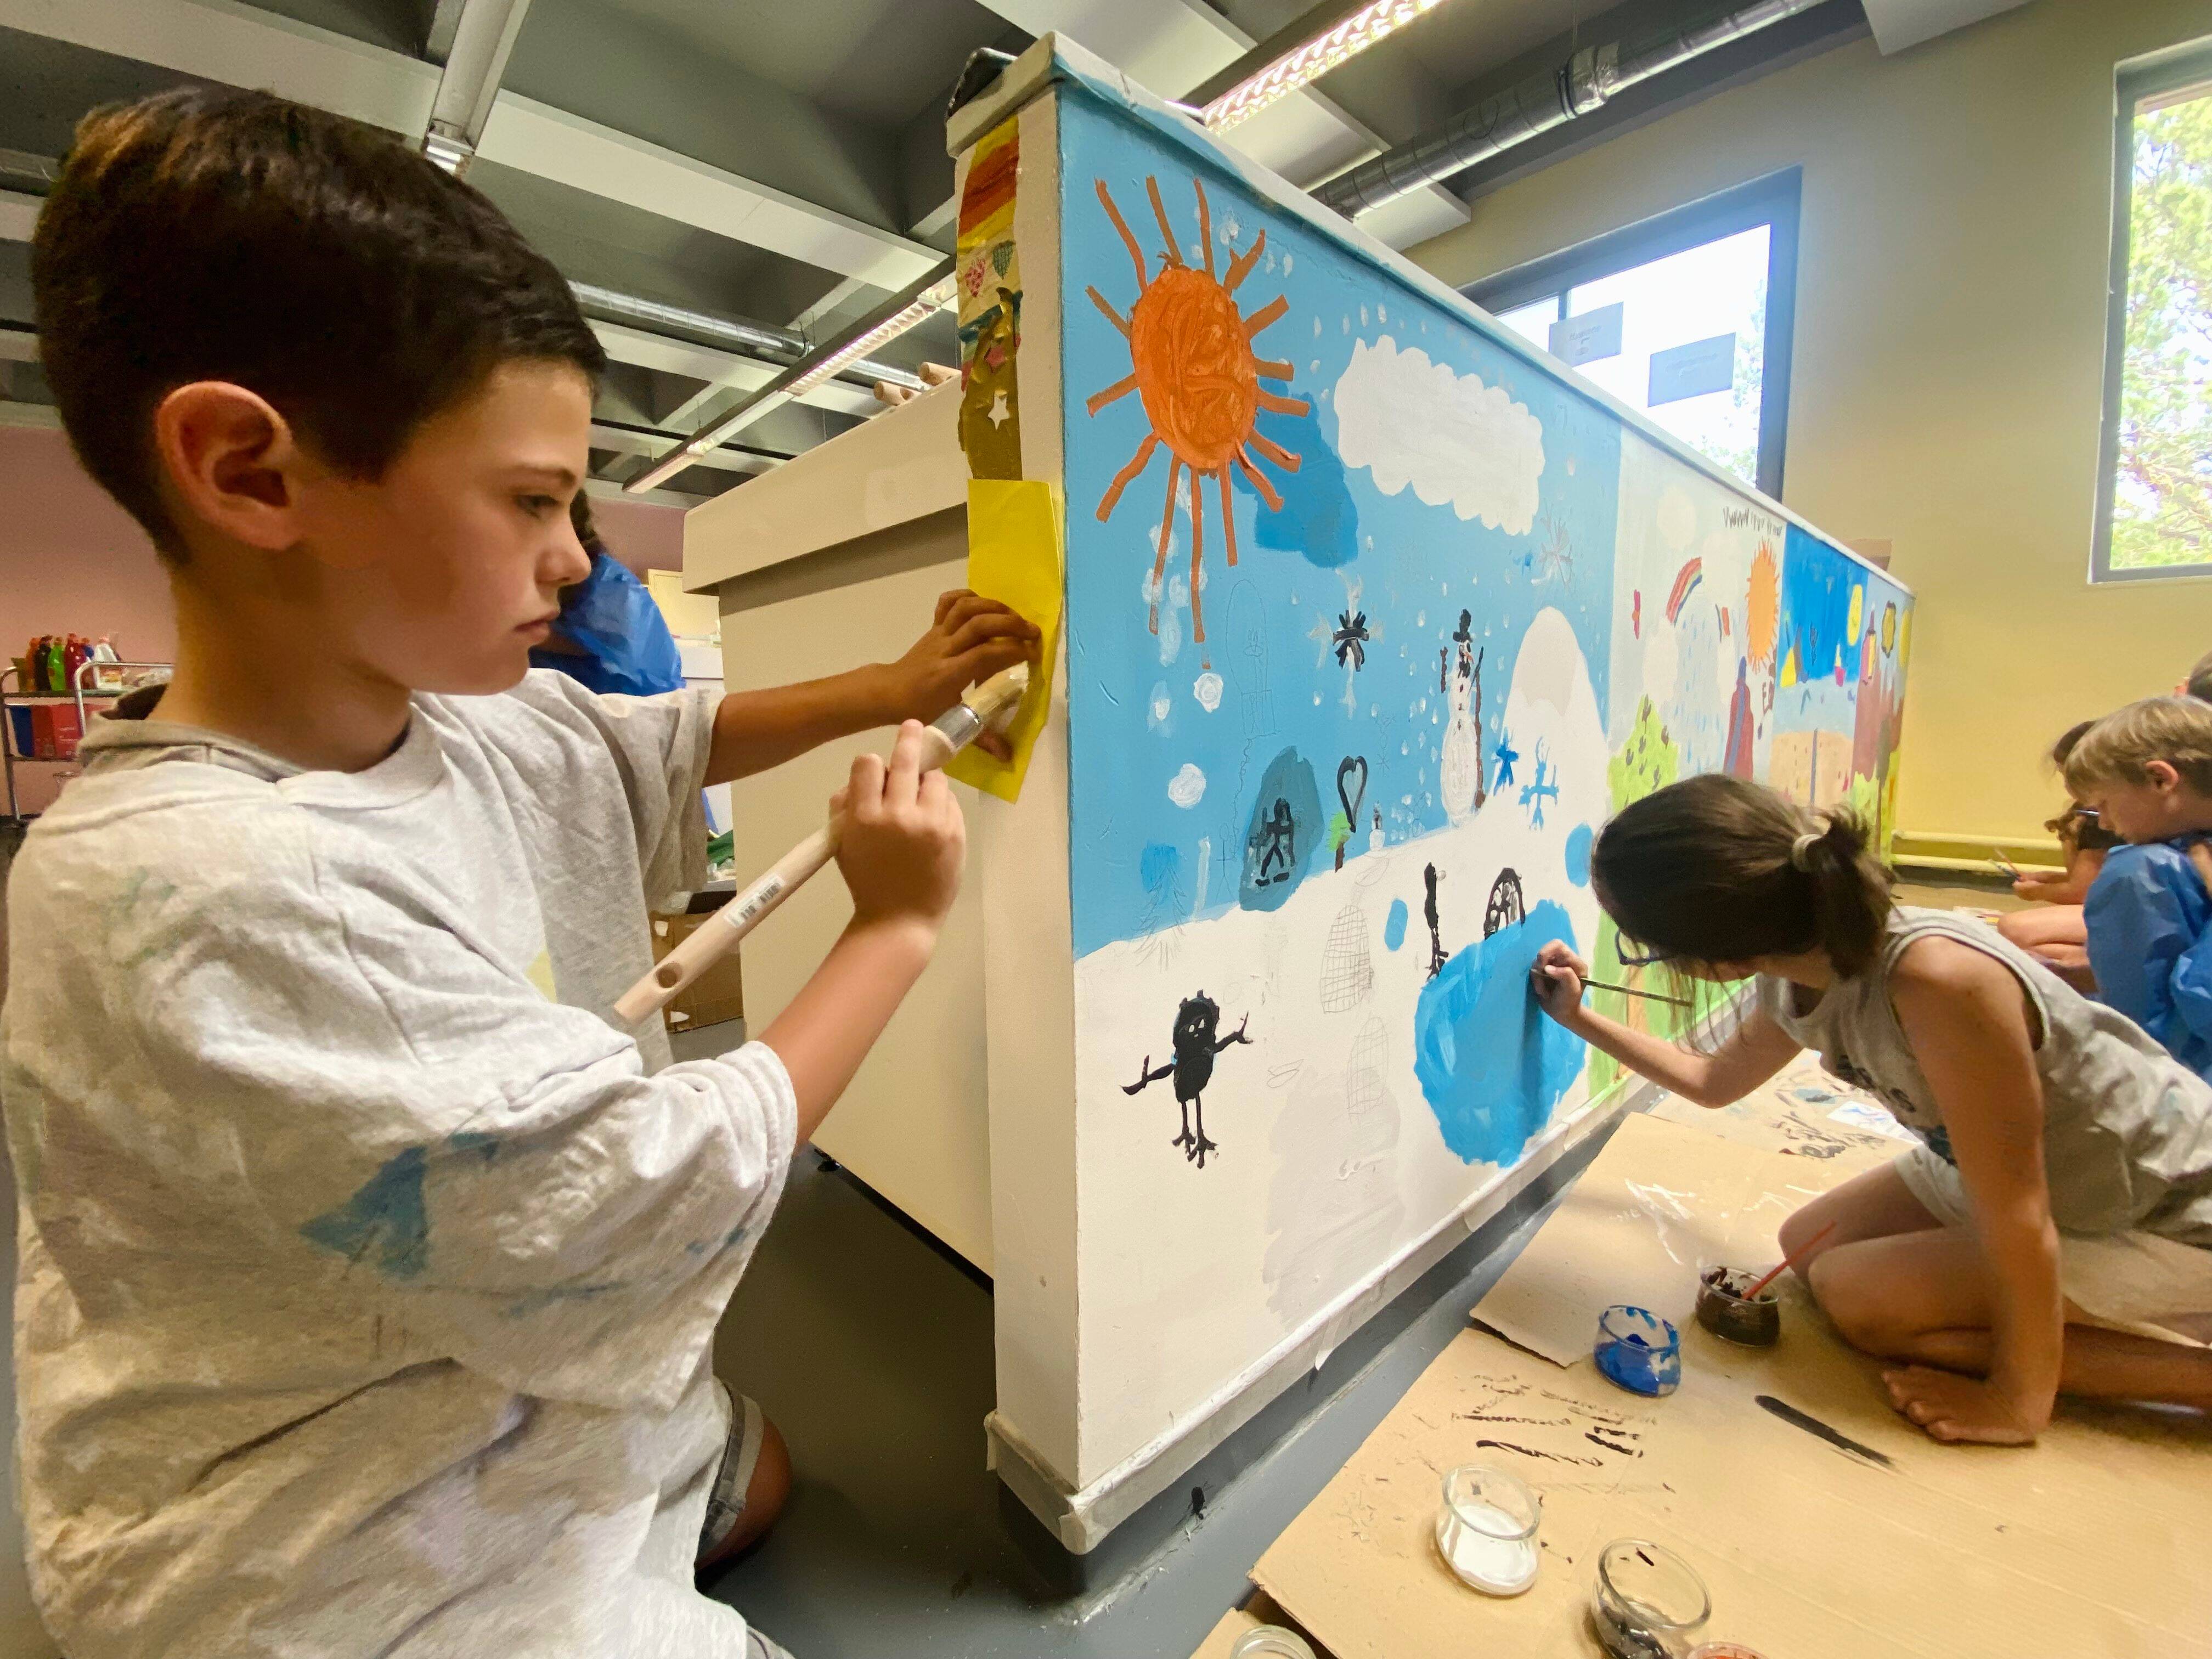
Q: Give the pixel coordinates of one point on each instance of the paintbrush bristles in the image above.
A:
(996, 698)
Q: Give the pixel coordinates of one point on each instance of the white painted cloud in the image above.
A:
(1187, 786)
(1409, 421)
(1207, 688)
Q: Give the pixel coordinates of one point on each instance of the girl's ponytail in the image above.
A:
(1715, 869)
(1849, 890)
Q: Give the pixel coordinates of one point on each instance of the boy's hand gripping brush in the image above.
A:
(992, 703)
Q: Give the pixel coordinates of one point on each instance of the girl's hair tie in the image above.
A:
(1801, 850)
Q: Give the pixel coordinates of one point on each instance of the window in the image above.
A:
(2155, 477)
(1686, 317)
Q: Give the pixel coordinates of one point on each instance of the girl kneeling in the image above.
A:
(2052, 1234)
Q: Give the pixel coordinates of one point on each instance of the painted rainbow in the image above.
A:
(1686, 583)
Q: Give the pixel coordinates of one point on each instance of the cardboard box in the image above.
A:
(716, 995)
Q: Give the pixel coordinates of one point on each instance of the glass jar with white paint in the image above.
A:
(1486, 1529)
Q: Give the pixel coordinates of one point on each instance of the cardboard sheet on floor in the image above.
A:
(2085, 1544)
(1660, 1204)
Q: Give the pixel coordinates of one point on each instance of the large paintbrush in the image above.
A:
(992, 703)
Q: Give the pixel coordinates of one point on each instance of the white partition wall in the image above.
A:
(1373, 614)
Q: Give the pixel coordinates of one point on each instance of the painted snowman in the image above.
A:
(1461, 764)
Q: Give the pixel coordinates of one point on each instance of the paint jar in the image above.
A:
(1486, 1529)
(1270, 1641)
(1650, 1603)
(1724, 1309)
(1638, 1350)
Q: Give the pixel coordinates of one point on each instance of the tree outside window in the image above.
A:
(2155, 515)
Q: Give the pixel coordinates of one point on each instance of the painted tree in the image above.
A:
(2163, 507)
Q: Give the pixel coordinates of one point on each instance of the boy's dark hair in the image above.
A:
(1710, 870)
(222, 235)
(2199, 684)
(2068, 740)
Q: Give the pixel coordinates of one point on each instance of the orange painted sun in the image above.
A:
(1762, 608)
(1193, 366)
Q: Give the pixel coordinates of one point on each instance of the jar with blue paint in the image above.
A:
(1638, 1350)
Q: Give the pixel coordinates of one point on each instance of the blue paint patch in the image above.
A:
(384, 1223)
(734, 1238)
(1491, 1065)
(1393, 925)
(1318, 517)
(1157, 867)
(1284, 835)
(1579, 851)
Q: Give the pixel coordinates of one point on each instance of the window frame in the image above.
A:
(1772, 200)
(2132, 83)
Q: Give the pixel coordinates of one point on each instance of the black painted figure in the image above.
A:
(1507, 903)
(1438, 955)
(1196, 1044)
(1278, 845)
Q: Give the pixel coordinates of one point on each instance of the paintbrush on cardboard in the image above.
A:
(990, 704)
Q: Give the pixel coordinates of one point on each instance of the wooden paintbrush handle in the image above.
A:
(720, 933)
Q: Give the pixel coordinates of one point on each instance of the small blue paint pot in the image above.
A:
(1638, 1350)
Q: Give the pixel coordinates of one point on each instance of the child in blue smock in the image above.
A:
(2147, 772)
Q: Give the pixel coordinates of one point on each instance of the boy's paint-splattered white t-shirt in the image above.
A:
(368, 1271)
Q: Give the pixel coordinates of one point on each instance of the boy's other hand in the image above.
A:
(900, 837)
(971, 639)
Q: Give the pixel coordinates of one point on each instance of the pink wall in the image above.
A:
(71, 561)
(642, 534)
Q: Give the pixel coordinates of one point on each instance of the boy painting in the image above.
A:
(369, 1270)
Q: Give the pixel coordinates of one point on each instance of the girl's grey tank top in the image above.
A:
(2127, 1134)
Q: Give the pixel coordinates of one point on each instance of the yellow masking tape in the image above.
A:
(1015, 554)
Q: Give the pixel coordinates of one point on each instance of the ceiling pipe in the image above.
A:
(778, 347)
(1542, 101)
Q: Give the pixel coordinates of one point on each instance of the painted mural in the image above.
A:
(1371, 621)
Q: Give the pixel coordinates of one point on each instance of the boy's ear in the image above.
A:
(2161, 776)
(231, 462)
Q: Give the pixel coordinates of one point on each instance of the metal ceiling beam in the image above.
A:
(625, 442)
(475, 62)
(721, 370)
(238, 45)
(609, 490)
(1172, 46)
(903, 309)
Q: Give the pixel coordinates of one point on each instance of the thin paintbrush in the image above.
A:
(1536, 974)
(1631, 991)
(989, 704)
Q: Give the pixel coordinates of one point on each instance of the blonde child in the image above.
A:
(2147, 772)
(2053, 1232)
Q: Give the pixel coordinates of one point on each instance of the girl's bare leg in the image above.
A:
(1924, 1296)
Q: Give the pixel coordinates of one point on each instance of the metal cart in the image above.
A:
(84, 688)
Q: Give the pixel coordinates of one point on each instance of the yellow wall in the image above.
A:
(1948, 359)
